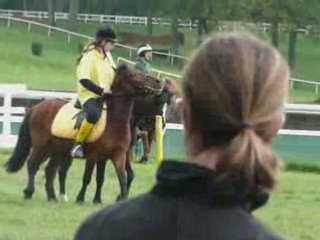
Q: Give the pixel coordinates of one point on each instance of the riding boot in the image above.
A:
(84, 131)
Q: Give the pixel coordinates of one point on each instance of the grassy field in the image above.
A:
(294, 211)
(55, 69)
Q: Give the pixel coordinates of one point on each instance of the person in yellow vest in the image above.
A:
(95, 74)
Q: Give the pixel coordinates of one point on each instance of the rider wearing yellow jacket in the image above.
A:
(95, 74)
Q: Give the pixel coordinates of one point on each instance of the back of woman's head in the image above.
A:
(235, 87)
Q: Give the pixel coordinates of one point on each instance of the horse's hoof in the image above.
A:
(52, 199)
(64, 198)
(97, 201)
(120, 198)
(27, 194)
(79, 200)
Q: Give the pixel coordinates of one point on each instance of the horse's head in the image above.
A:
(168, 92)
(129, 82)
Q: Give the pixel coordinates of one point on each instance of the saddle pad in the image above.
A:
(63, 125)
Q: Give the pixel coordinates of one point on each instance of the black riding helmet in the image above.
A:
(106, 33)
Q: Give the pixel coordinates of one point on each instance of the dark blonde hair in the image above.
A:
(235, 86)
(89, 47)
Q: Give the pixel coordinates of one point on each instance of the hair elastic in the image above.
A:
(245, 126)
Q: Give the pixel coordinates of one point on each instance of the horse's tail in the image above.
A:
(22, 148)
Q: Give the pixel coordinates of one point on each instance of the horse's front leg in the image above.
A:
(119, 162)
(85, 180)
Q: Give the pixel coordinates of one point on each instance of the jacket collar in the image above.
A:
(201, 185)
(142, 60)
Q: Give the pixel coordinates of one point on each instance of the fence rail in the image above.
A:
(10, 114)
(157, 72)
(293, 81)
(160, 73)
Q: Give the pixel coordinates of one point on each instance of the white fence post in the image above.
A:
(317, 89)
(291, 84)
(7, 91)
(29, 27)
(69, 38)
(9, 22)
(7, 114)
(49, 32)
(172, 60)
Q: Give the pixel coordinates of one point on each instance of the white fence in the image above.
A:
(142, 20)
(10, 114)
(293, 82)
(85, 17)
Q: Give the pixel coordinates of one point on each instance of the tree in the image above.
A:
(299, 14)
(73, 13)
(51, 12)
(149, 22)
(271, 11)
(61, 5)
(174, 25)
(25, 5)
(199, 10)
(293, 14)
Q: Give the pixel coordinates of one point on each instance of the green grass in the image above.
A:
(294, 211)
(55, 69)
(303, 167)
(38, 219)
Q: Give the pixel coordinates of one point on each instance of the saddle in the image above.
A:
(68, 120)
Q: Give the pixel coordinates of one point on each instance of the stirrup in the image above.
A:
(77, 151)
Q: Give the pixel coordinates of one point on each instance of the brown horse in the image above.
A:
(35, 134)
(144, 107)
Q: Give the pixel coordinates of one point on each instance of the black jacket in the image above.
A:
(188, 202)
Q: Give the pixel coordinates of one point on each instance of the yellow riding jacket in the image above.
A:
(96, 68)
